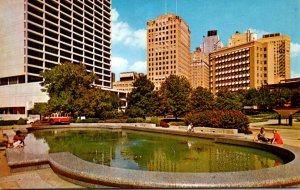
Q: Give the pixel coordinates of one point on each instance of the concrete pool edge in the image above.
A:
(88, 174)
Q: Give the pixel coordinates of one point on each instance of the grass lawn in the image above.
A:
(261, 117)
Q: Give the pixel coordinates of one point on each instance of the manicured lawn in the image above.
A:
(262, 117)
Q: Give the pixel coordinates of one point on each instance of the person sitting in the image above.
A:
(189, 128)
(276, 139)
(262, 135)
(192, 128)
(18, 140)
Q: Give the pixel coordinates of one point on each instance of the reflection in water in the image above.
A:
(156, 152)
(35, 146)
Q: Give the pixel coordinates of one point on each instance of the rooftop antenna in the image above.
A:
(165, 6)
(176, 7)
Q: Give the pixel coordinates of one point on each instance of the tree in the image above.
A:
(94, 103)
(229, 100)
(175, 94)
(142, 101)
(280, 96)
(201, 99)
(295, 98)
(264, 99)
(70, 88)
(41, 108)
(250, 97)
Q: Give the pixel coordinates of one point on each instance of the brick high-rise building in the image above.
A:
(38, 35)
(251, 65)
(168, 48)
(199, 69)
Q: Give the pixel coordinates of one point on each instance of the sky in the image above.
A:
(129, 22)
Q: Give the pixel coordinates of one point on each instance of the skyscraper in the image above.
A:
(168, 48)
(211, 42)
(38, 35)
(199, 69)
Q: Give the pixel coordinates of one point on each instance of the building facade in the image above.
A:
(126, 81)
(38, 35)
(250, 65)
(243, 38)
(199, 69)
(168, 48)
(279, 55)
(211, 42)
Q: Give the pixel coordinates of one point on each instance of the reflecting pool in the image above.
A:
(155, 152)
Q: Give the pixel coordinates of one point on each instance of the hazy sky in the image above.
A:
(226, 16)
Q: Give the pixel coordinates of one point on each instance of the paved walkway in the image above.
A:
(46, 178)
(289, 136)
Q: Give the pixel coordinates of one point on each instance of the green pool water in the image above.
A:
(156, 152)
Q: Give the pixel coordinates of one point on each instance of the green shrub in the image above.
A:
(21, 121)
(227, 119)
(113, 115)
(135, 120)
(154, 120)
(179, 123)
(88, 120)
(8, 122)
(113, 121)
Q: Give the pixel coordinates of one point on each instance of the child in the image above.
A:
(18, 140)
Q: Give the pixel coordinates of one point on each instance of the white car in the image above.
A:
(31, 120)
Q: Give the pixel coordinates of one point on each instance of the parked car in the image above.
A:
(164, 124)
(31, 120)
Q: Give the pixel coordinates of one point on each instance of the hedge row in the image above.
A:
(227, 119)
(97, 120)
(21, 121)
(8, 122)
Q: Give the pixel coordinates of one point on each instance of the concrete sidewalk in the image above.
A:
(289, 136)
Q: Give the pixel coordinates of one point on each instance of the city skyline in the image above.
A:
(129, 25)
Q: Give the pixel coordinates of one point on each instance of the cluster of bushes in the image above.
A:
(113, 121)
(121, 120)
(20, 121)
(154, 120)
(8, 122)
(136, 120)
(227, 119)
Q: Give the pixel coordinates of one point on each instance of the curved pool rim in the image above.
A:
(89, 174)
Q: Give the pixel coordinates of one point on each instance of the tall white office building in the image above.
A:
(211, 42)
(36, 35)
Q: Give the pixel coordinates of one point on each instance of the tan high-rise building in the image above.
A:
(199, 69)
(168, 48)
(279, 55)
(251, 65)
(126, 81)
(243, 38)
